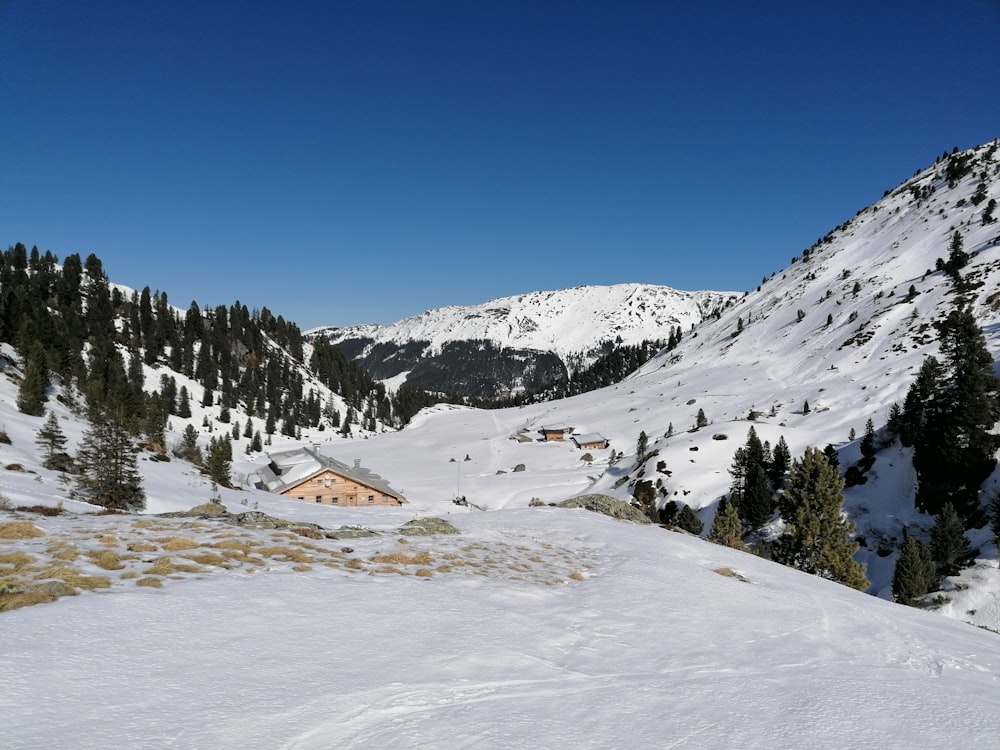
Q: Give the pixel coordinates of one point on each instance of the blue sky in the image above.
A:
(348, 162)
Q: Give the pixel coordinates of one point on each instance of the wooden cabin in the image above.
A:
(305, 474)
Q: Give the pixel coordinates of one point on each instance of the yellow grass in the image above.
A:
(402, 558)
(424, 573)
(107, 539)
(19, 530)
(354, 563)
(730, 573)
(389, 569)
(285, 554)
(74, 577)
(240, 544)
(177, 543)
(26, 599)
(578, 575)
(206, 558)
(129, 575)
(302, 568)
(14, 562)
(165, 566)
(106, 558)
(150, 581)
(442, 569)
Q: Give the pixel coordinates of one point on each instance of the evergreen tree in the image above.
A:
(184, 404)
(818, 540)
(644, 498)
(219, 460)
(688, 520)
(640, 447)
(914, 573)
(701, 420)
(950, 549)
(31, 393)
(995, 521)
(727, 529)
(867, 445)
(50, 438)
(109, 474)
(948, 417)
(781, 459)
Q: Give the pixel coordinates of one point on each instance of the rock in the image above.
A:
(57, 588)
(208, 509)
(349, 532)
(427, 527)
(607, 505)
(519, 467)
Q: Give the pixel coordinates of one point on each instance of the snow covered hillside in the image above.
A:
(549, 332)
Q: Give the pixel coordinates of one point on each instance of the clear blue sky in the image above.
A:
(343, 162)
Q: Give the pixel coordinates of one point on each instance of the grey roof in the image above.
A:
(590, 437)
(288, 468)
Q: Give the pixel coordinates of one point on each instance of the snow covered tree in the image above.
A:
(819, 537)
(914, 573)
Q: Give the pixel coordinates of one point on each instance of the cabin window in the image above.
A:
(371, 498)
(335, 501)
(319, 498)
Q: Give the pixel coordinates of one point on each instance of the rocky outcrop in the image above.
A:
(607, 505)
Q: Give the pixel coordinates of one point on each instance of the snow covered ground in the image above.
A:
(652, 647)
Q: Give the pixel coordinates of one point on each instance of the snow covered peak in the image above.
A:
(567, 322)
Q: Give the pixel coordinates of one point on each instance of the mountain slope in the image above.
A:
(508, 344)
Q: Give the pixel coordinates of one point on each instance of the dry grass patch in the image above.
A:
(141, 547)
(242, 545)
(424, 573)
(443, 569)
(155, 583)
(20, 530)
(26, 599)
(206, 558)
(240, 556)
(177, 543)
(355, 563)
(389, 569)
(578, 575)
(129, 575)
(302, 567)
(403, 558)
(106, 558)
(74, 577)
(730, 573)
(536, 559)
(166, 565)
(15, 562)
(285, 554)
(107, 539)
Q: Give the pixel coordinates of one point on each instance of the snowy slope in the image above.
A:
(567, 322)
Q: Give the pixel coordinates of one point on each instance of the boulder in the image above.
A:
(427, 527)
(607, 505)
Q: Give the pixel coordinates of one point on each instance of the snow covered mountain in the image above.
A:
(507, 344)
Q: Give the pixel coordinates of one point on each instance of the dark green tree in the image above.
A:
(50, 438)
(219, 460)
(109, 474)
(914, 573)
(950, 549)
(688, 520)
(640, 447)
(644, 498)
(700, 420)
(949, 415)
(819, 538)
(31, 393)
(727, 528)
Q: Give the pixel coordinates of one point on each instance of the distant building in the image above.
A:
(306, 474)
(550, 434)
(590, 441)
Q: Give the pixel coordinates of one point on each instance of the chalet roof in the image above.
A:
(590, 437)
(553, 428)
(288, 468)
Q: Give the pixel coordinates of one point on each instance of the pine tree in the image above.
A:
(700, 420)
(914, 573)
(781, 459)
(948, 417)
(640, 447)
(50, 438)
(219, 460)
(109, 474)
(950, 550)
(995, 521)
(688, 520)
(31, 394)
(867, 444)
(727, 529)
(184, 404)
(818, 540)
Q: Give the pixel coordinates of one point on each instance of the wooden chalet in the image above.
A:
(558, 434)
(306, 474)
(591, 441)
